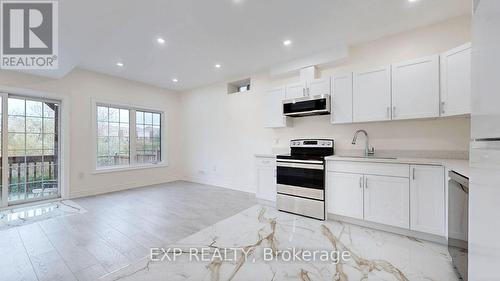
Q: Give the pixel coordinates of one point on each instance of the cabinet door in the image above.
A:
(345, 194)
(266, 183)
(415, 88)
(372, 95)
(318, 87)
(341, 99)
(295, 91)
(387, 200)
(273, 108)
(456, 81)
(427, 199)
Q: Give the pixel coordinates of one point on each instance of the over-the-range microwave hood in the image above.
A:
(307, 106)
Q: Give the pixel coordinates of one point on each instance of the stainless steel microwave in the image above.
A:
(307, 106)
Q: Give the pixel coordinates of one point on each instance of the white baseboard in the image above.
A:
(239, 186)
(119, 187)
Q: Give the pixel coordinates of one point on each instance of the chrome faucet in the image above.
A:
(368, 151)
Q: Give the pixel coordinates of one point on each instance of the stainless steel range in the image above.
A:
(301, 177)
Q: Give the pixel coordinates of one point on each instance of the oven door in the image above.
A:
(303, 178)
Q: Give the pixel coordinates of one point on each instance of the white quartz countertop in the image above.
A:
(460, 166)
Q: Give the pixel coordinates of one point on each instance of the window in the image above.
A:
(127, 136)
(112, 136)
(240, 86)
(32, 148)
(148, 140)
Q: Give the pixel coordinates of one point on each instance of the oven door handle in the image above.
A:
(300, 165)
(300, 161)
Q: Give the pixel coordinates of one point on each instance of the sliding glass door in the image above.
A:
(30, 171)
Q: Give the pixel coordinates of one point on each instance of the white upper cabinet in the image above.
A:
(372, 95)
(415, 88)
(387, 200)
(311, 88)
(318, 87)
(345, 194)
(341, 99)
(295, 90)
(456, 81)
(273, 109)
(427, 204)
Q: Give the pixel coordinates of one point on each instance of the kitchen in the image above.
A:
(366, 132)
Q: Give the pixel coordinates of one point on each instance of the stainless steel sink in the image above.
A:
(366, 157)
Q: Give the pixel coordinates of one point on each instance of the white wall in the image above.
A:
(79, 87)
(212, 136)
(223, 132)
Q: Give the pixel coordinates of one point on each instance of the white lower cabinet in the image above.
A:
(402, 195)
(266, 178)
(345, 194)
(427, 193)
(387, 200)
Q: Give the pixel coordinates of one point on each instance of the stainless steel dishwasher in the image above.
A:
(458, 218)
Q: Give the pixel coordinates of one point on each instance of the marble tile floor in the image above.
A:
(117, 229)
(374, 255)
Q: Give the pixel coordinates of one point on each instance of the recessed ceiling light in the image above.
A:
(217, 65)
(411, 1)
(287, 42)
(175, 80)
(160, 40)
(120, 64)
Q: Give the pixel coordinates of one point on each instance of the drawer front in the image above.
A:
(313, 193)
(303, 206)
(369, 168)
(266, 161)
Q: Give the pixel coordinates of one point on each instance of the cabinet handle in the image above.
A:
(394, 111)
(442, 107)
(308, 91)
(388, 112)
(413, 174)
(366, 183)
(361, 182)
(303, 92)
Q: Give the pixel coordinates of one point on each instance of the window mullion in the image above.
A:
(132, 137)
(5, 153)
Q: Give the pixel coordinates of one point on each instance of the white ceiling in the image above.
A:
(242, 35)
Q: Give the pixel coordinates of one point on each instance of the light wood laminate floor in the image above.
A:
(118, 229)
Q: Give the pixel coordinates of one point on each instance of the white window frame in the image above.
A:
(133, 165)
(64, 141)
